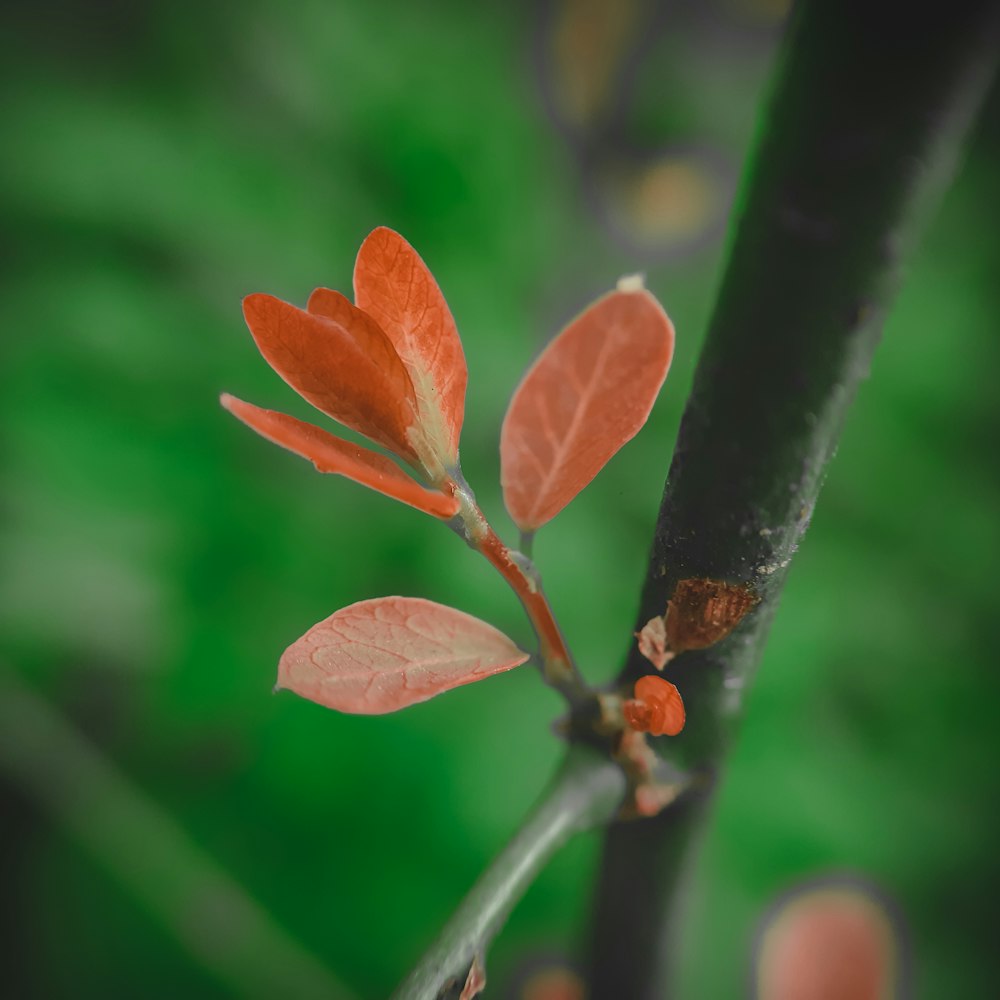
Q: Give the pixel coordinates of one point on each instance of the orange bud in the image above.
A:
(657, 708)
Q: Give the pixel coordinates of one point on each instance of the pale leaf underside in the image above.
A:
(384, 654)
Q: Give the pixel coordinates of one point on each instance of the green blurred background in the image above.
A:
(161, 160)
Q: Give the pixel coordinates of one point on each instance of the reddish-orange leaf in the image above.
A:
(332, 454)
(393, 285)
(344, 366)
(657, 708)
(831, 943)
(381, 655)
(587, 394)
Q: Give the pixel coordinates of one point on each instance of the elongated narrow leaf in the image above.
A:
(587, 394)
(332, 454)
(345, 367)
(394, 286)
(381, 655)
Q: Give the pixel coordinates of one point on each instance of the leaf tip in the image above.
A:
(237, 407)
(381, 655)
(380, 237)
(632, 283)
(253, 303)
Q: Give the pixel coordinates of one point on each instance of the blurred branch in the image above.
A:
(872, 102)
(585, 792)
(211, 916)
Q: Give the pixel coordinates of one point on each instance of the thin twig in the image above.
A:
(585, 793)
(558, 666)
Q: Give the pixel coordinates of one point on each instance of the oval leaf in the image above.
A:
(381, 655)
(393, 285)
(345, 367)
(332, 454)
(587, 394)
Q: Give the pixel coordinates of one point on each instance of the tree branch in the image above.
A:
(585, 792)
(871, 103)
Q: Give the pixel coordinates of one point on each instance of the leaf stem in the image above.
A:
(584, 793)
(558, 667)
(527, 543)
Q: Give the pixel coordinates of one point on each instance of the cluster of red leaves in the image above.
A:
(390, 366)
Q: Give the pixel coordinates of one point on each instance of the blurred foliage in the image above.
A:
(160, 161)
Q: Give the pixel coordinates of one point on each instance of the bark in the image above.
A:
(870, 106)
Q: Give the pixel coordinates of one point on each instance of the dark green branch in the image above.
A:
(871, 103)
(585, 793)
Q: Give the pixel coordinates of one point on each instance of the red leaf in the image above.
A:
(333, 454)
(587, 394)
(393, 285)
(381, 655)
(341, 362)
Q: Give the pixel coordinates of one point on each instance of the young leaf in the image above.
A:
(381, 655)
(393, 285)
(333, 454)
(657, 707)
(345, 366)
(587, 394)
(653, 642)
